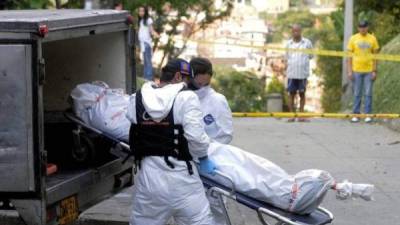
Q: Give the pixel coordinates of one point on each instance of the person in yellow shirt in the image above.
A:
(362, 68)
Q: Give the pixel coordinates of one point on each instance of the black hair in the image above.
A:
(145, 16)
(201, 65)
(117, 4)
(167, 74)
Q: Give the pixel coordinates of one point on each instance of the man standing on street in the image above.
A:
(298, 69)
(362, 68)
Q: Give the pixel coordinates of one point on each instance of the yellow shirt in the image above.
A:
(359, 44)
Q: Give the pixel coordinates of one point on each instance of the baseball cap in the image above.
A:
(363, 23)
(179, 65)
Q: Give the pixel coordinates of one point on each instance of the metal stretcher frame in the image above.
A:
(319, 217)
(79, 122)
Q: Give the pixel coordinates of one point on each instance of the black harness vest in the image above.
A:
(150, 138)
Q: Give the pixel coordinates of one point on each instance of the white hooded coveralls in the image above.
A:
(160, 191)
(217, 119)
(217, 115)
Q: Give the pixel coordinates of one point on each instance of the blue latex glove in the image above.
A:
(207, 166)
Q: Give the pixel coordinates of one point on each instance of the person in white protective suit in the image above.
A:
(217, 115)
(217, 119)
(165, 136)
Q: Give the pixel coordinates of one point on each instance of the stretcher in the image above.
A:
(320, 216)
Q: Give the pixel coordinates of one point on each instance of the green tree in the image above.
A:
(330, 68)
(383, 15)
(41, 4)
(284, 21)
(26, 4)
(190, 9)
(244, 91)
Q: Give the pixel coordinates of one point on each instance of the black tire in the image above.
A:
(84, 154)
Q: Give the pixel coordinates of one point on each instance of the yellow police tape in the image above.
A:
(383, 57)
(310, 115)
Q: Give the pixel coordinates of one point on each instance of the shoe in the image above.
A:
(355, 120)
(304, 120)
(291, 120)
(368, 120)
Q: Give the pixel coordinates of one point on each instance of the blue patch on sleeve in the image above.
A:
(208, 119)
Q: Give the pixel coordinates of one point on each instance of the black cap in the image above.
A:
(363, 23)
(178, 65)
(201, 66)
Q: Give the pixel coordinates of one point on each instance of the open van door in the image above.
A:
(17, 176)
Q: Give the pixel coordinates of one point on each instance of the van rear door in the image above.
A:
(17, 168)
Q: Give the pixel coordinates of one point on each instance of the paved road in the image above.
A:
(358, 152)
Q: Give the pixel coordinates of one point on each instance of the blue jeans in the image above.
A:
(362, 85)
(147, 65)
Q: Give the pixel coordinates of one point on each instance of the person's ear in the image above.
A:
(178, 77)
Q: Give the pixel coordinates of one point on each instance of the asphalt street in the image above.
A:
(360, 153)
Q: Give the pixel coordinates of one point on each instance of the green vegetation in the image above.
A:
(243, 90)
(139, 82)
(190, 10)
(384, 16)
(285, 20)
(387, 86)
(330, 68)
(275, 86)
(40, 4)
(326, 32)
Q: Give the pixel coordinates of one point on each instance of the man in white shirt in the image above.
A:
(298, 69)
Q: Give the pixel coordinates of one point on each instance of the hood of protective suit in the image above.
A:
(158, 101)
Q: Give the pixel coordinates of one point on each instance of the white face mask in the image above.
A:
(202, 92)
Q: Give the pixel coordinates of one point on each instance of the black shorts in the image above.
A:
(296, 85)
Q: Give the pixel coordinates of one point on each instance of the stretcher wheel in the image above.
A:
(83, 150)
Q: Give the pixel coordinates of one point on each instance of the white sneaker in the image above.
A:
(368, 120)
(355, 120)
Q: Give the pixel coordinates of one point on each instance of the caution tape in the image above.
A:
(312, 115)
(382, 57)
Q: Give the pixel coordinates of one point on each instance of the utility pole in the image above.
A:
(348, 31)
(88, 5)
(92, 4)
(58, 4)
